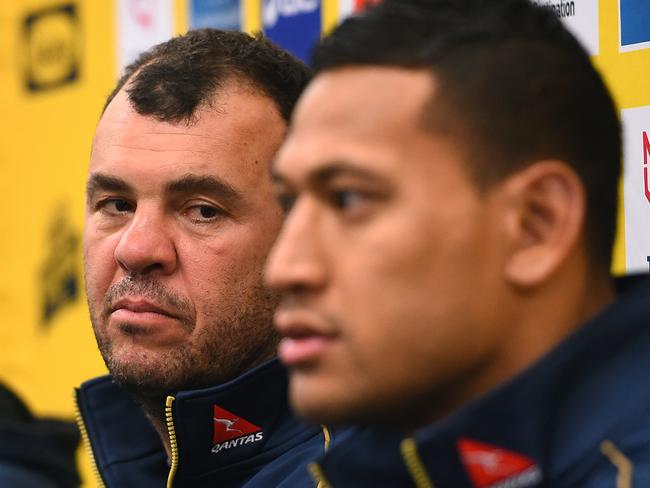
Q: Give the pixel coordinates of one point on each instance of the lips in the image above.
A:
(138, 315)
(140, 306)
(305, 336)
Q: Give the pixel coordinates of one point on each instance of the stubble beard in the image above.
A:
(235, 338)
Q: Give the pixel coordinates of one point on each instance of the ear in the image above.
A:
(546, 217)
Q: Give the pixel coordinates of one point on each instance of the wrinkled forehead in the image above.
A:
(243, 125)
(121, 125)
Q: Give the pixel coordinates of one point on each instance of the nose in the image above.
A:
(296, 262)
(146, 246)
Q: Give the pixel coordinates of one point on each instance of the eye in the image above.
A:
(203, 213)
(286, 201)
(347, 199)
(115, 206)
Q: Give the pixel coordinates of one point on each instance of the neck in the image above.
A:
(553, 312)
(537, 324)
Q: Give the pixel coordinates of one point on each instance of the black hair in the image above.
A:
(174, 78)
(513, 86)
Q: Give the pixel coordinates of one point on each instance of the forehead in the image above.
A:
(403, 91)
(371, 111)
(238, 132)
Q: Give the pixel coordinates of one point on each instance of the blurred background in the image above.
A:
(59, 59)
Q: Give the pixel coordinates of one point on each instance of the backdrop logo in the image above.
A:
(143, 12)
(352, 7)
(293, 24)
(360, 5)
(52, 46)
(646, 153)
(634, 24)
(219, 14)
(274, 9)
(140, 25)
(59, 274)
(580, 17)
(561, 8)
(636, 193)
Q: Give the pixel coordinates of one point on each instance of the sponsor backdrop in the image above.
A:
(59, 60)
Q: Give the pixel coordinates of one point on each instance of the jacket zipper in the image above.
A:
(314, 469)
(81, 423)
(171, 430)
(414, 464)
(318, 475)
(621, 462)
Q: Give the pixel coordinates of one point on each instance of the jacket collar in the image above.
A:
(230, 429)
(550, 421)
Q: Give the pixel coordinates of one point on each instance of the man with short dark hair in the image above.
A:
(180, 216)
(450, 180)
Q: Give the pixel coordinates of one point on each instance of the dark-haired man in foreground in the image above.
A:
(180, 217)
(450, 179)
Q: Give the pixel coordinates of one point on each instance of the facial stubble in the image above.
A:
(237, 335)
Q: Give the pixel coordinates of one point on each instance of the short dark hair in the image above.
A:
(511, 83)
(174, 78)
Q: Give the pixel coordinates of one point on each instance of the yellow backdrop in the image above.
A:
(58, 62)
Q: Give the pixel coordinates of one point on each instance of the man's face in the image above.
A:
(179, 221)
(387, 258)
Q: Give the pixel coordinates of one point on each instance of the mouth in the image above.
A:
(305, 337)
(134, 311)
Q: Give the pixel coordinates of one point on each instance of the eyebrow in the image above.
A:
(332, 170)
(188, 184)
(342, 168)
(103, 182)
(207, 185)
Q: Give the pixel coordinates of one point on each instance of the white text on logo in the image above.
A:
(240, 441)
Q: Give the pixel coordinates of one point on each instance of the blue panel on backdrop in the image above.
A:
(293, 24)
(635, 21)
(220, 14)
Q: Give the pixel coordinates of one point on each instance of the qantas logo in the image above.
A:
(228, 424)
(492, 467)
(231, 431)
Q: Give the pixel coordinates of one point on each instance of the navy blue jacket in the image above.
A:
(579, 417)
(239, 434)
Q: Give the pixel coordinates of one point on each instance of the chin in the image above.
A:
(136, 368)
(345, 402)
(318, 412)
(138, 373)
(133, 357)
(319, 404)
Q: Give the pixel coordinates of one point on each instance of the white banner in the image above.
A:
(140, 25)
(346, 8)
(636, 179)
(581, 18)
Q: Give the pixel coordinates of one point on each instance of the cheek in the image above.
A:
(409, 301)
(99, 264)
(217, 274)
(229, 258)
